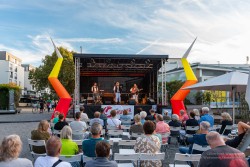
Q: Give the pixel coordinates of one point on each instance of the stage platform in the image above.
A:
(90, 109)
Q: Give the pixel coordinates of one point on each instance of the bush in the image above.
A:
(4, 95)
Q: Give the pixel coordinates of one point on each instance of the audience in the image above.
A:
(148, 144)
(221, 154)
(191, 122)
(199, 139)
(96, 119)
(88, 146)
(197, 114)
(61, 123)
(102, 150)
(206, 117)
(125, 117)
(103, 117)
(242, 128)
(56, 118)
(68, 146)
(143, 115)
(137, 127)
(10, 149)
(138, 110)
(41, 133)
(78, 127)
(53, 149)
(152, 115)
(113, 121)
(226, 120)
(166, 117)
(161, 127)
(183, 117)
(84, 116)
(174, 123)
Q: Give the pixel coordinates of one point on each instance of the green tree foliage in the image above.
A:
(4, 94)
(172, 87)
(39, 77)
(199, 97)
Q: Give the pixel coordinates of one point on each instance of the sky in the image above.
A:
(127, 27)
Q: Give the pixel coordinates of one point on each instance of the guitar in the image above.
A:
(135, 91)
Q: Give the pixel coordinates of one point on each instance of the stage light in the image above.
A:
(132, 61)
(92, 61)
(147, 62)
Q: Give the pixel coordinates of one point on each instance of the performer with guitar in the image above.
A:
(117, 91)
(95, 91)
(134, 92)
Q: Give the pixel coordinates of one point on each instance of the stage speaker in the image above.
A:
(108, 102)
(151, 101)
(131, 102)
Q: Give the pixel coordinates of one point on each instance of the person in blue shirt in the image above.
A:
(199, 139)
(206, 117)
(88, 146)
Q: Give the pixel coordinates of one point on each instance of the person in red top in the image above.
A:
(162, 127)
(183, 117)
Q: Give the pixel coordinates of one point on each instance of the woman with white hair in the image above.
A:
(197, 114)
(175, 123)
(137, 127)
(226, 120)
(68, 146)
(143, 115)
(10, 149)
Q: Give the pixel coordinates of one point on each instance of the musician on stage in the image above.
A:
(95, 91)
(134, 92)
(117, 91)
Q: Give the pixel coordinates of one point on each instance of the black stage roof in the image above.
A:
(118, 64)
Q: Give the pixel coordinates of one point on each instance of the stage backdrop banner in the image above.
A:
(119, 110)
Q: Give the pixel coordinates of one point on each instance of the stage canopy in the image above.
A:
(118, 64)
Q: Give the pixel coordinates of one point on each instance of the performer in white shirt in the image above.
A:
(95, 91)
(117, 91)
(134, 92)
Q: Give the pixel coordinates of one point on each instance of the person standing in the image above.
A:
(134, 92)
(41, 105)
(117, 91)
(95, 91)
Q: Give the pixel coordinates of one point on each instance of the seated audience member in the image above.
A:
(56, 117)
(103, 117)
(175, 123)
(197, 114)
(41, 133)
(242, 128)
(96, 119)
(165, 116)
(84, 116)
(53, 149)
(143, 115)
(206, 116)
(61, 123)
(137, 127)
(88, 146)
(68, 146)
(199, 139)
(102, 150)
(161, 127)
(78, 127)
(10, 149)
(152, 115)
(148, 144)
(191, 122)
(138, 110)
(221, 154)
(183, 117)
(125, 117)
(226, 120)
(113, 121)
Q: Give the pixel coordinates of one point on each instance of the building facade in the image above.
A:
(11, 70)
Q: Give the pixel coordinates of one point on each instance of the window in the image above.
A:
(11, 74)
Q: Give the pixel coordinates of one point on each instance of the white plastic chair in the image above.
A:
(191, 128)
(200, 148)
(135, 135)
(115, 133)
(39, 143)
(228, 127)
(185, 157)
(128, 143)
(126, 157)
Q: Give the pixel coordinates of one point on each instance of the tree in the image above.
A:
(4, 94)
(39, 76)
(172, 87)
